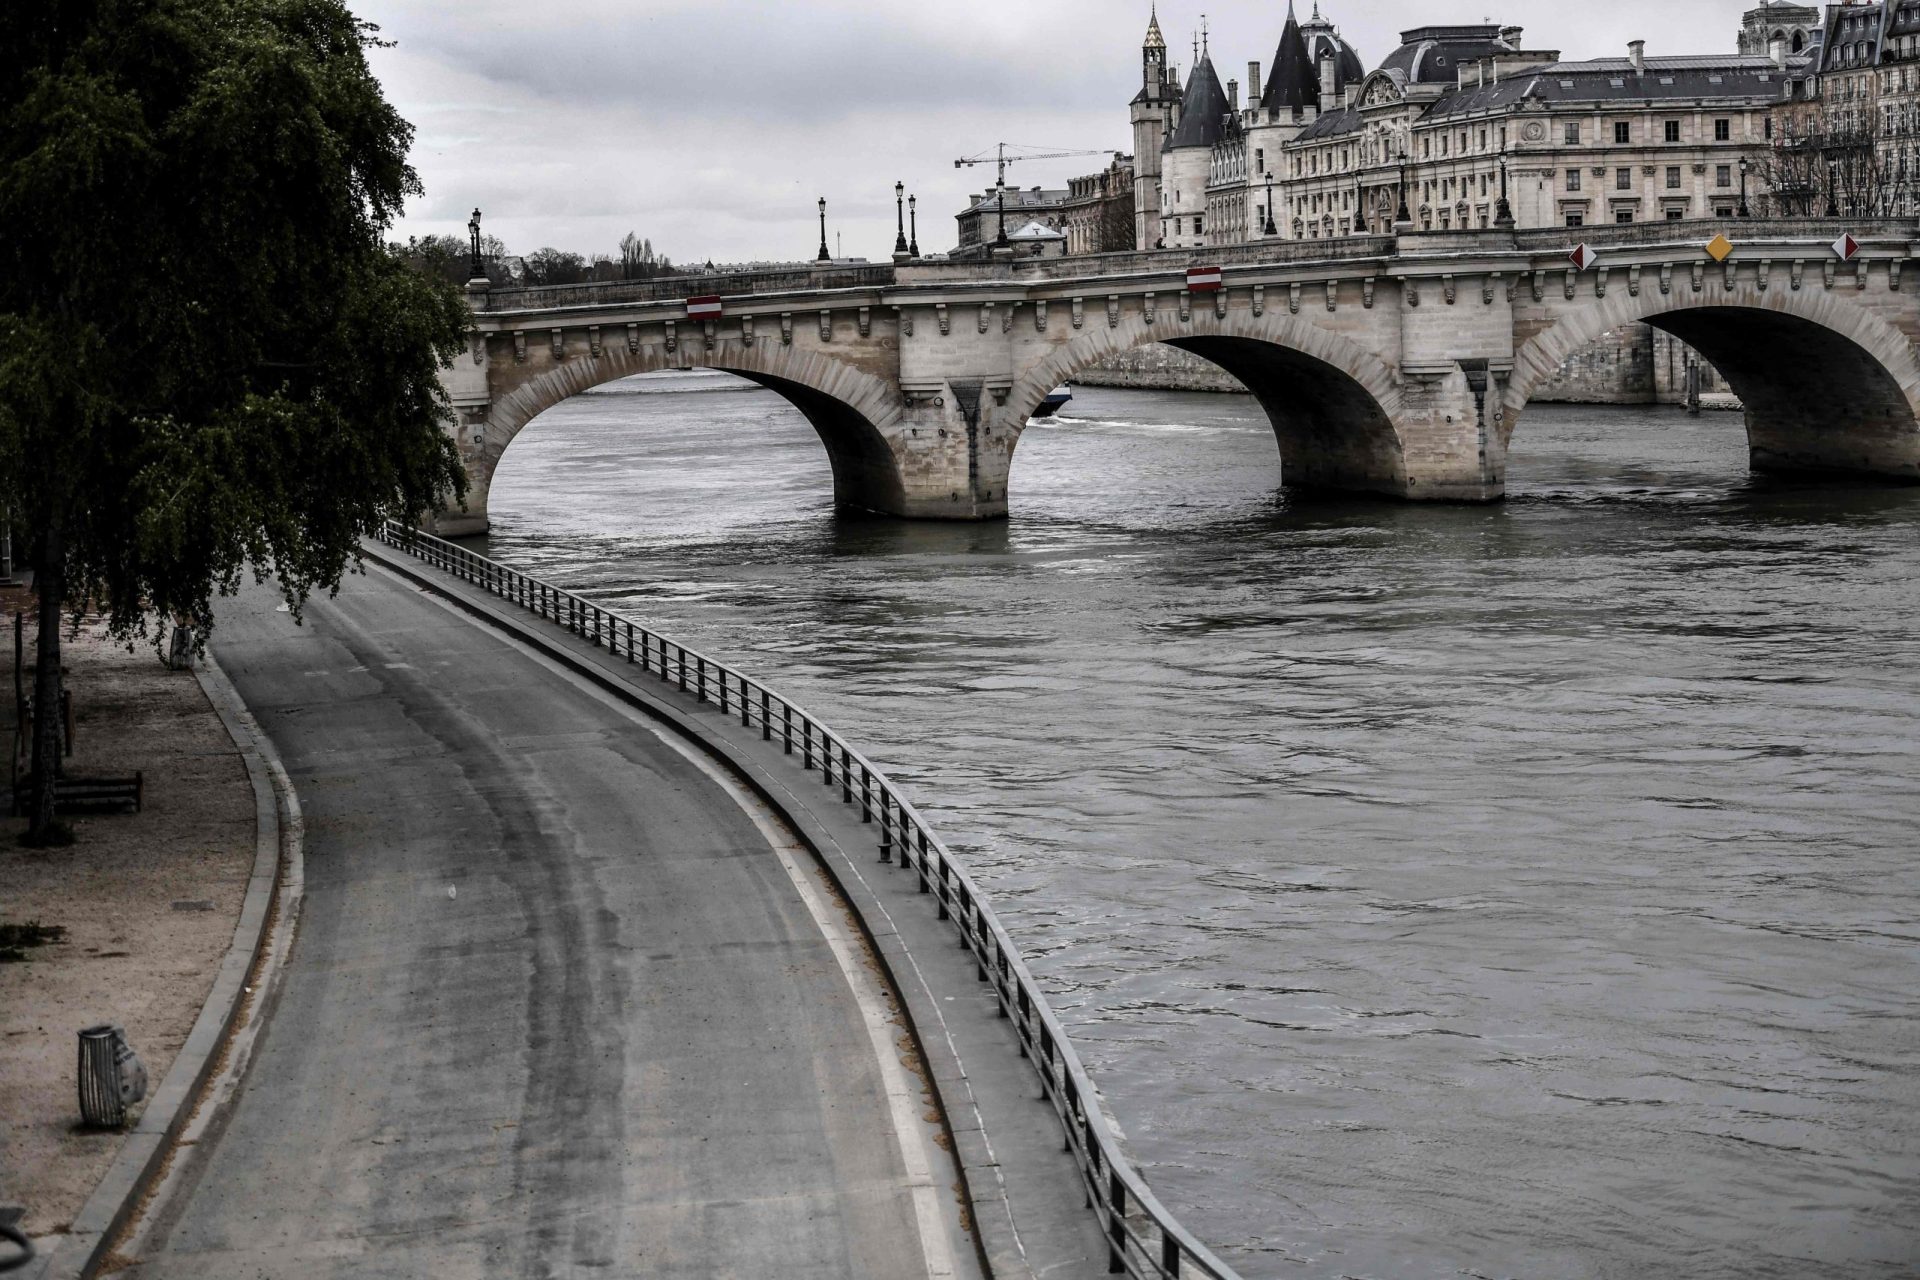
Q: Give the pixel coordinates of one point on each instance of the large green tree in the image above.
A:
(208, 357)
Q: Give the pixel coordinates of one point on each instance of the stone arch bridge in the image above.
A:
(1395, 365)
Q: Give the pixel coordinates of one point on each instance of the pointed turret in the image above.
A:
(1203, 111)
(1294, 82)
(1155, 40)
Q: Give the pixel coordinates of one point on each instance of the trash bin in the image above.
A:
(112, 1077)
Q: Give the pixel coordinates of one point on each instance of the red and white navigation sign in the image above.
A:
(707, 308)
(1582, 257)
(1847, 248)
(1203, 279)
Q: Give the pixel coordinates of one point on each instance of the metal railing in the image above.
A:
(1143, 1240)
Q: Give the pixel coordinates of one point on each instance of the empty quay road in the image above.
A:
(559, 1005)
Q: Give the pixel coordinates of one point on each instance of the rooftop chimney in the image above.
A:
(1327, 66)
(1253, 84)
(1512, 35)
(1777, 48)
(1637, 52)
(1233, 96)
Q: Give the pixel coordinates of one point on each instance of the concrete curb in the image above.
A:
(250, 969)
(997, 1236)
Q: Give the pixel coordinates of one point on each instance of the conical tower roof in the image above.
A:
(1294, 81)
(1204, 110)
(1154, 39)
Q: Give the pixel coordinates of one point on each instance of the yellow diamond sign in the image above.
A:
(1719, 248)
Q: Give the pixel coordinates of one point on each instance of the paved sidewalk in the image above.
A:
(555, 1008)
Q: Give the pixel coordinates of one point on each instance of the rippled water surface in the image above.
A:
(1520, 891)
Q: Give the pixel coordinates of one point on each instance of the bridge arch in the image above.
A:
(852, 411)
(1828, 385)
(1333, 403)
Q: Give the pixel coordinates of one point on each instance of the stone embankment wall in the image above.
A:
(1635, 364)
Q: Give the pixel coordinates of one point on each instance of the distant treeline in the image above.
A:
(451, 258)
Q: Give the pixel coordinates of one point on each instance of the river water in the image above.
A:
(1522, 891)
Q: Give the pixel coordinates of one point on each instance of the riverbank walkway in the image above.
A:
(564, 1000)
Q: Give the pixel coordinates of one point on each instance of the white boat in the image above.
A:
(1056, 400)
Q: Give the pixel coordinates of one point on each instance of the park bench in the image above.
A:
(74, 793)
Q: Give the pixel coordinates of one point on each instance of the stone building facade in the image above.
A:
(1099, 214)
(1847, 133)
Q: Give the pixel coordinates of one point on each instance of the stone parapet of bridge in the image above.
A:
(1393, 365)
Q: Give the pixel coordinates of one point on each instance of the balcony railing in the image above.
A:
(1143, 1239)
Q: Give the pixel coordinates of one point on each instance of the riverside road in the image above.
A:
(554, 1007)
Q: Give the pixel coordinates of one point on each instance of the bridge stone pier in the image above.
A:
(1391, 365)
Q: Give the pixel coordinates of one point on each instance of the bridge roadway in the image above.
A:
(555, 1007)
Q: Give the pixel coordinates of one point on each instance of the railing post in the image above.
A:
(766, 716)
(1169, 1254)
(746, 721)
(886, 827)
(866, 795)
(1116, 1220)
(924, 887)
(786, 714)
(806, 740)
(846, 775)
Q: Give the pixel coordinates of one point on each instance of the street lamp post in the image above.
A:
(1503, 212)
(1745, 212)
(1359, 207)
(900, 218)
(1001, 240)
(913, 225)
(476, 266)
(824, 255)
(1271, 228)
(1403, 214)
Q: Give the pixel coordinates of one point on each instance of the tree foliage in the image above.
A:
(206, 355)
(208, 358)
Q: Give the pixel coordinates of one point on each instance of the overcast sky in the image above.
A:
(712, 126)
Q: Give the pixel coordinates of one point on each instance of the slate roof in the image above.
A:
(1666, 79)
(1432, 55)
(1294, 81)
(1203, 112)
(1613, 80)
(1856, 36)
(1322, 39)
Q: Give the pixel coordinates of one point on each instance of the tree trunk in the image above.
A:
(50, 582)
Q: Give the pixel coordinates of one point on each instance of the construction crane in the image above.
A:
(1001, 159)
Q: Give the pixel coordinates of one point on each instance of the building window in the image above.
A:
(1673, 131)
(1723, 131)
(1723, 175)
(1675, 214)
(1673, 177)
(1573, 133)
(1178, 223)
(1623, 215)
(1576, 219)
(1199, 225)
(1622, 133)
(1260, 160)
(1623, 179)
(1573, 179)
